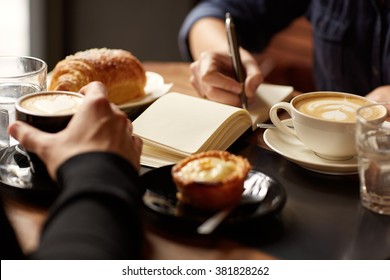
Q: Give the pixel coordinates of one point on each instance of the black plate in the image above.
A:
(160, 199)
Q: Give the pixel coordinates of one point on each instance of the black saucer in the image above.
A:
(160, 200)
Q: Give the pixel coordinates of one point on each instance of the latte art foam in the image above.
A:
(52, 104)
(331, 108)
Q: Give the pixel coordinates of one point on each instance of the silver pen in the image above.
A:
(236, 59)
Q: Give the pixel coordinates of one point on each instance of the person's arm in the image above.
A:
(203, 39)
(212, 71)
(97, 215)
(95, 160)
(256, 22)
(214, 30)
(380, 94)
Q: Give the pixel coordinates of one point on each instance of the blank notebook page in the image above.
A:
(183, 122)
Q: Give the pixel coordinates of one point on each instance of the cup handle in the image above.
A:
(273, 114)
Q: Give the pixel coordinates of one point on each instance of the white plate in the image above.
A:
(154, 88)
(294, 150)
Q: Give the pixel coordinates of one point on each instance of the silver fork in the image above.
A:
(255, 190)
(269, 125)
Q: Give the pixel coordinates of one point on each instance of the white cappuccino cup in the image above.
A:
(324, 121)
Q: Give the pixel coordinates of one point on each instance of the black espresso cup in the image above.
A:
(49, 111)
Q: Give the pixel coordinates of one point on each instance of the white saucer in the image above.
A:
(294, 150)
(154, 88)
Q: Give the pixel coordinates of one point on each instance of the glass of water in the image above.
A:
(373, 146)
(19, 75)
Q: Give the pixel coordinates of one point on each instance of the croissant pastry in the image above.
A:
(119, 70)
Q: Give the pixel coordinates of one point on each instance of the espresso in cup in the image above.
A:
(324, 122)
(52, 104)
(49, 111)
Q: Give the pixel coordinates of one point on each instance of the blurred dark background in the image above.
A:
(147, 28)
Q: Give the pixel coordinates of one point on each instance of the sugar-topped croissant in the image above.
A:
(119, 70)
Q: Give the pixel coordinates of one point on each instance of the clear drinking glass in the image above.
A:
(373, 146)
(18, 76)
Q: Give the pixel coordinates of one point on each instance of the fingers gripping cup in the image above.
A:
(323, 121)
(49, 111)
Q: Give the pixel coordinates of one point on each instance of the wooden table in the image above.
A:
(322, 219)
(28, 218)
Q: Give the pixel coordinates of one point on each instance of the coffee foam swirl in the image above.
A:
(52, 104)
(378, 112)
(339, 109)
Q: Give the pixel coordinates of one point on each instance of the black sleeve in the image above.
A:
(97, 214)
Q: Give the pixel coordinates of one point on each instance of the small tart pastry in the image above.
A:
(210, 180)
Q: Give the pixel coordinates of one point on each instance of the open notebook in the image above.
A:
(178, 125)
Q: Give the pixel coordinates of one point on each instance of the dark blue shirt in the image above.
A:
(351, 37)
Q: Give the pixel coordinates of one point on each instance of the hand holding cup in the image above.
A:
(96, 125)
